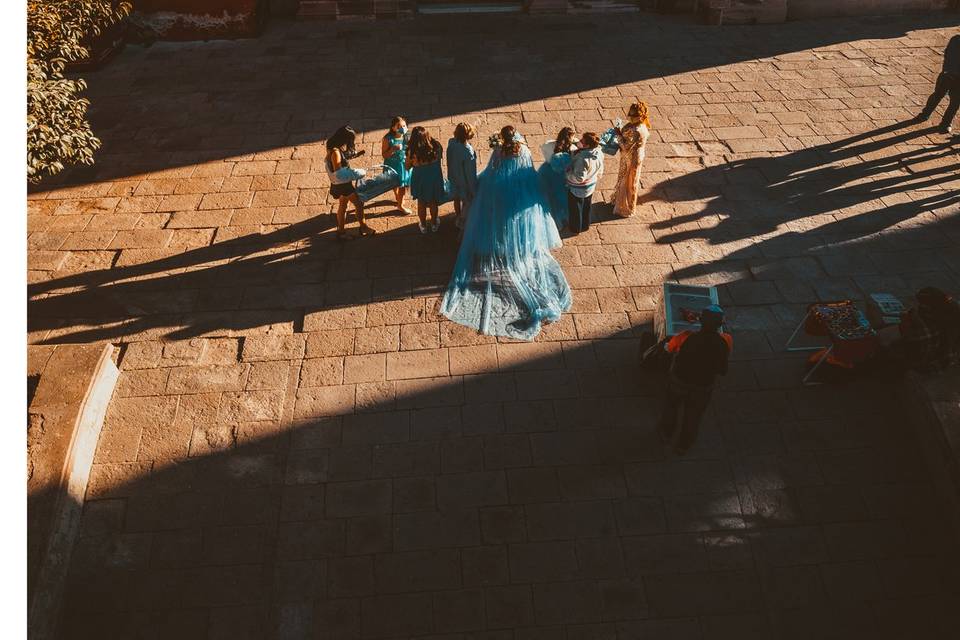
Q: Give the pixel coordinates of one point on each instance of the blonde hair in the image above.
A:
(639, 113)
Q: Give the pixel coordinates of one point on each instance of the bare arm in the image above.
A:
(386, 149)
(336, 160)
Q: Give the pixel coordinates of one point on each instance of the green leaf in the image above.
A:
(58, 132)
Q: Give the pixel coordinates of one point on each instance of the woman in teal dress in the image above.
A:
(393, 149)
(426, 178)
(462, 170)
(505, 281)
(557, 157)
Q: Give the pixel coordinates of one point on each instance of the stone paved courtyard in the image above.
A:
(299, 446)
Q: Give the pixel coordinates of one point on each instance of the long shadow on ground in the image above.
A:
(532, 500)
(798, 219)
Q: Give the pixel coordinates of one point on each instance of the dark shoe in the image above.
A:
(679, 451)
(945, 129)
(920, 117)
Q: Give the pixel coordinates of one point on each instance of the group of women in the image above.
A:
(505, 280)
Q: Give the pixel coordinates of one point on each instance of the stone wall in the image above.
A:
(354, 9)
(196, 19)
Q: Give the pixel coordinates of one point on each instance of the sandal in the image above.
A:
(343, 236)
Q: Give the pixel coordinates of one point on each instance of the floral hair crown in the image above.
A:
(496, 140)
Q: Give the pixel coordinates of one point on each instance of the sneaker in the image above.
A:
(921, 117)
(945, 128)
(435, 226)
(423, 228)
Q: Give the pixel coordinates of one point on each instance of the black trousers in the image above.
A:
(947, 83)
(683, 409)
(579, 212)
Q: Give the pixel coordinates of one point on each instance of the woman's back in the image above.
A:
(635, 139)
(426, 154)
(508, 163)
(505, 282)
(512, 216)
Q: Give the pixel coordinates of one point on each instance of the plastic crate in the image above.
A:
(668, 320)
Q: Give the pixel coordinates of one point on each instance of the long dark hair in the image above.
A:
(564, 141)
(423, 148)
(344, 136)
(510, 145)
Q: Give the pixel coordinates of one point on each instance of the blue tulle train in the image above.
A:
(505, 282)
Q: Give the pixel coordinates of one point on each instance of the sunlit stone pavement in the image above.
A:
(299, 446)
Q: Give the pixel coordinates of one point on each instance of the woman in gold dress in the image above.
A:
(632, 139)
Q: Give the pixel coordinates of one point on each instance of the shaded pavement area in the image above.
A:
(299, 446)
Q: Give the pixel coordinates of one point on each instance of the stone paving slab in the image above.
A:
(301, 446)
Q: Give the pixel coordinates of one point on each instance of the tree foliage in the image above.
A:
(58, 31)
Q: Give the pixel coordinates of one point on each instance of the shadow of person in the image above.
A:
(256, 280)
(845, 190)
(220, 526)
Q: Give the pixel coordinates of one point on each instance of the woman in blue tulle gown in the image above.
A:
(505, 282)
(557, 156)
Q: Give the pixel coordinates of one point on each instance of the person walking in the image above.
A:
(948, 82)
(582, 176)
(698, 358)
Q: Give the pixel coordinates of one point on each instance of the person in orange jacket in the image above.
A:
(698, 358)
